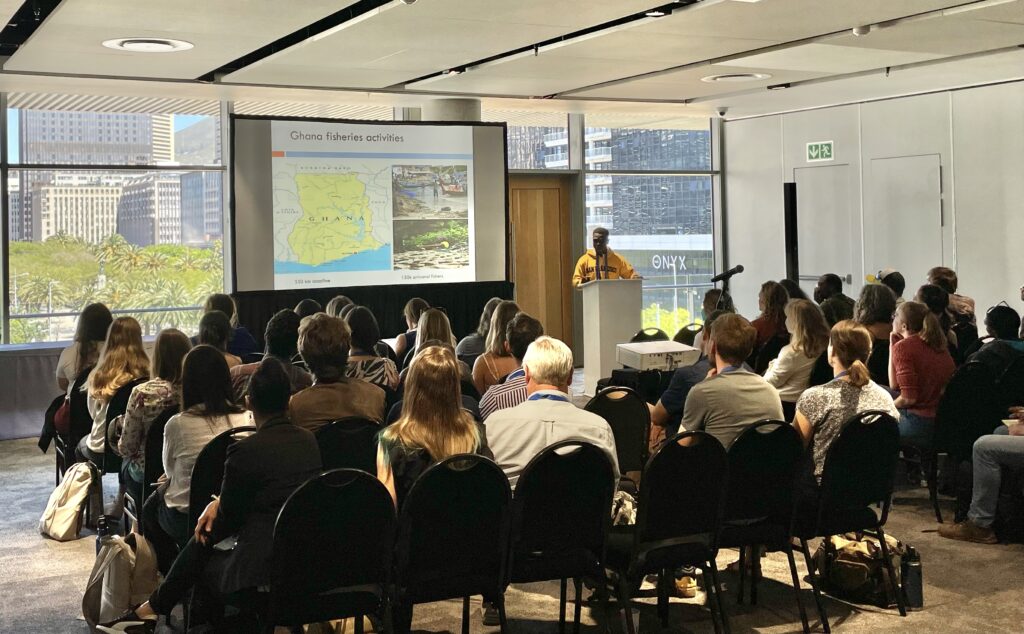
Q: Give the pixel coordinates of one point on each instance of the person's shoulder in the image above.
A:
(244, 369)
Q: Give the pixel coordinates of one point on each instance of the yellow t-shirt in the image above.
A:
(613, 267)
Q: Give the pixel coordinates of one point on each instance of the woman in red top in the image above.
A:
(771, 301)
(919, 369)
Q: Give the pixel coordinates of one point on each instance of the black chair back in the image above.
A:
(970, 408)
(649, 334)
(453, 532)
(769, 352)
(1011, 384)
(966, 336)
(822, 371)
(118, 403)
(349, 443)
(81, 420)
(861, 463)
(252, 357)
(630, 420)
(688, 334)
(763, 464)
(561, 512)
(468, 389)
(208, 471)
(332, 549)
(154, 450)
(681, 501)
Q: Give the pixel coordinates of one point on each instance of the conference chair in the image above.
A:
(117, 406)
(153, 468)
(679, 515)
(649, 334)
(252, 357)
(332, 551)
(453, 536)
(763, 464)
(822, 371)
(349, 443)
(561, 514)
(51, 434)
(630, 419)
(764, 355)
(688, 334)
(858, 475)
(1011, 383)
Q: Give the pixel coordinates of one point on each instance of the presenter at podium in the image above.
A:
(601, 263)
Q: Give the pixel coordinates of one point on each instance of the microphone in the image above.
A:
(727, 274)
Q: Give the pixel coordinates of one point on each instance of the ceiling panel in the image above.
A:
(830, 59)
(686, 84)
(952, 35)
(69, 41)
(408, 41)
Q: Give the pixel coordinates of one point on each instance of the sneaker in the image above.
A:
(491, 615)
(686, 587)
(130, 623)
(968, 531)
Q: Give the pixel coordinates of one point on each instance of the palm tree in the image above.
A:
(152, 261)
(110, 250)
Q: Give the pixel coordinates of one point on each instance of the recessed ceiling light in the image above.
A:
(147, 45)
(655, 13)
(453, 71)
(737, 77)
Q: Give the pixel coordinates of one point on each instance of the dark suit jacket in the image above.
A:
(260, 472)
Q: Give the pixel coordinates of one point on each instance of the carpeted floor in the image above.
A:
(968, 588)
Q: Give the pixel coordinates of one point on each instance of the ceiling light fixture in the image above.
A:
(861, 30)
(655, 13)
(148, 45)
(453, 71)
(779, 86)
(735, 77)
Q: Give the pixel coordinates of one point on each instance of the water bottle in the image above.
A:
(913, 582)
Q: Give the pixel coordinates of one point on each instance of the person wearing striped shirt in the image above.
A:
(521, 331)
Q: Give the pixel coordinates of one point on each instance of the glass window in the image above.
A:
(536, 140)
(646, 143)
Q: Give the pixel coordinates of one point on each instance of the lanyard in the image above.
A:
(549, 397)
(841, 374)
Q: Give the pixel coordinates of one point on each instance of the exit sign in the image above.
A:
(820, 151)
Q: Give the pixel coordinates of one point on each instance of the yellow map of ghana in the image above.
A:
(336, 218)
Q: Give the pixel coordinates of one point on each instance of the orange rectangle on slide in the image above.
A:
(277, 153)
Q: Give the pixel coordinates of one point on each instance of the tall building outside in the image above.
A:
(201, 208)
(85, 211)
(149, 211)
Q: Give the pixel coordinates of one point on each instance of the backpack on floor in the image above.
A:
(853, 568)
(80, 486)
(124, 575)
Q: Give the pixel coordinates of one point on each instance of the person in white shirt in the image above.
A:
(90, 335)
(790, 372)
(519, 433)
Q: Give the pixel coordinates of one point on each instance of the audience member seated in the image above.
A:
(960, 306)
(363, 361)
(793, 289)
(829, 295)
(790, 372)
(732, 398)
(992, 454)
(214, 330)
(407, 340)
(715, 299)
(822, 411)
(875, 310)
(1002, 346)
(207, 409)
(324, 343)
(307, 308)
(240, 340)
(148, 401)
(474, 344)
(90, 335)
(260, 472)
(337, 303)
(434, 326)
(547, 416)
(919, 369)
(668, 411)
(937, 300)
(432, 426)
(282, 336)
(894, 280)
(520, 333)
(771, 301)
(345, 310)
(123, 360)
(496, 362)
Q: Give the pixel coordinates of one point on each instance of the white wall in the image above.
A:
(977, 135)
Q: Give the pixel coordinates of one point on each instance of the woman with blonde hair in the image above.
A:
(822, 411)
(497, 360)
(790, 372)
(433, 425)
(920, 366)
(434, 324)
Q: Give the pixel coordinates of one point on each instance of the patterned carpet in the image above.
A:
(968, 588)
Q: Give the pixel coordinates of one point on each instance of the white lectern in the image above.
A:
(611, 315)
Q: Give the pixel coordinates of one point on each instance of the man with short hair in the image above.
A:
(895, 281)
(829, 295)
(520, 333)
(732, 398)
(961, 307)
(547, 416)
(282, 337)
(1002, 324)
(601, 263)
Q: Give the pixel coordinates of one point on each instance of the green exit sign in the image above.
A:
(820, 151)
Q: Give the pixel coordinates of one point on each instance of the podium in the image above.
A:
(611, 315)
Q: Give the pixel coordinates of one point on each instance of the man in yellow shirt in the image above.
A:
(601, 263)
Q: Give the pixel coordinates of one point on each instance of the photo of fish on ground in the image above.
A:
(431, 244)
(427, 192)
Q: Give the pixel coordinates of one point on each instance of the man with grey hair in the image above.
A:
(519, 433)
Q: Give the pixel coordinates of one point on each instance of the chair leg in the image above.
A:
(359, 624)
(933, 486)
(718, 596)
(814, 587)
(561, 606)
(626, 611)
(743, 574)
(897, 590)
(796, 588)
(465, 615)
(712, 601)
(663, 581)
(502, 619)
(578, 585)
(755, 572)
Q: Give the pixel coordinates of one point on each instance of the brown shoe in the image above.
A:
(686, 587)
(968, 531)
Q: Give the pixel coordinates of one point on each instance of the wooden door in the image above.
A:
(542, 261)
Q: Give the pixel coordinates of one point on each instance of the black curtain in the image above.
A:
(463, 303)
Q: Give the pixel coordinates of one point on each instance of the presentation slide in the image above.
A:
(364, 204)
